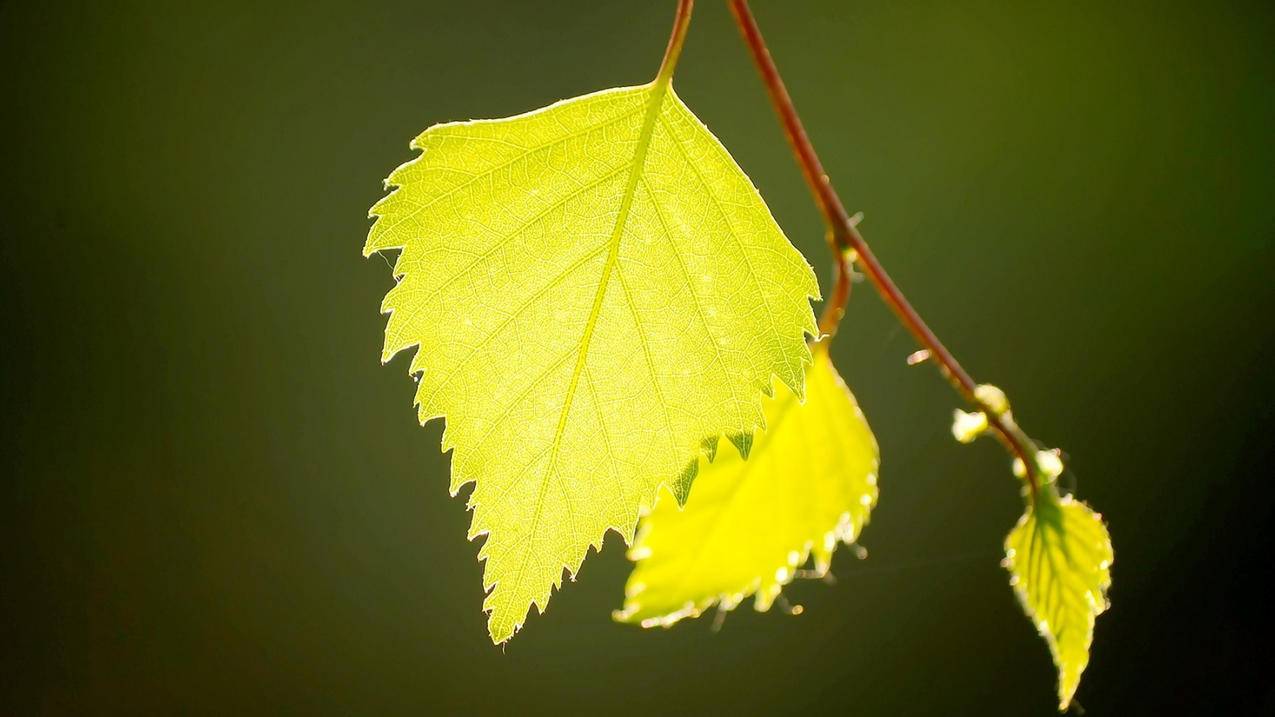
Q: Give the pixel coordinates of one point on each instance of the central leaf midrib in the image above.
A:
(645, 134)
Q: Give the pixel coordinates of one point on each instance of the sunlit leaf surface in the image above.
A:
(1059, 557)
(594, 287)
(809, 483)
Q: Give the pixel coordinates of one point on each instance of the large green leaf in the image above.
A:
(1059, 557)
(810, 482)
(594, 287)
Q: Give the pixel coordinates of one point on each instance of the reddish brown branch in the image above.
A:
(848, 244)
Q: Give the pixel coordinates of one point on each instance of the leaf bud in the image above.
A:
(968, 426)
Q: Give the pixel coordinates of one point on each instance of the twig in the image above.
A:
(849, 245)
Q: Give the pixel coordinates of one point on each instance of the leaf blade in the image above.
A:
(560, 285)
(809, 483)
(1059, 556)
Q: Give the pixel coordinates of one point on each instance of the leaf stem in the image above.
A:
(849, 245)
(677, 38)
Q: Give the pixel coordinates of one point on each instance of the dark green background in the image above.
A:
(223, 502)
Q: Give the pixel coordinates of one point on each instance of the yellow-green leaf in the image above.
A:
(810, 481)
(1059, 557)
(594, 287)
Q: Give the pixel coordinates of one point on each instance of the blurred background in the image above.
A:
(223, 502)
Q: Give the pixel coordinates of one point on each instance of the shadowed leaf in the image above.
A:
(749, 524)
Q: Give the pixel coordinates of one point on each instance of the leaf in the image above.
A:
(811, 480)
(594, 287)
(1059, 558)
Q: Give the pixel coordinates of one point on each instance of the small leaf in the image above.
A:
(749, 524)
(1059, 557)
(594, 287)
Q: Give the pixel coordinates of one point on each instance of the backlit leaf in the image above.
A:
(809, 482)
(1059, 558)
(594, 287)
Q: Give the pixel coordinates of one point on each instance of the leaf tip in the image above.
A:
(681, 486)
